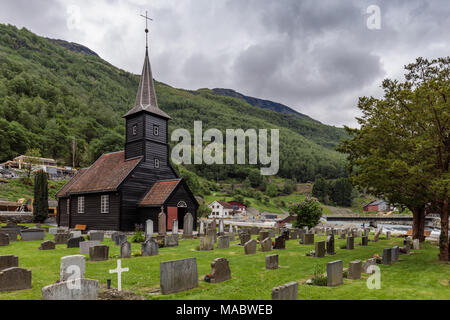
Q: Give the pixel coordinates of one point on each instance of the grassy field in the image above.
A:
(417, 276)
(15, 189)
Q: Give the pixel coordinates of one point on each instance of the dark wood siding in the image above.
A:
(149, 214)
(92, 216)
(151, 121)
(139, 123)
(135, 188)
(134, 149)
(158, 151)
(181, 194)
(62, 213)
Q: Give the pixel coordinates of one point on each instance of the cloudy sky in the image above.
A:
(316, 56)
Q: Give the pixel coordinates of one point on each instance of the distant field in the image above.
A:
(16, 189)
(417, 276)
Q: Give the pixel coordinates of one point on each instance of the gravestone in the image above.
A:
(47, 245)
(368, 263)
(12, 232)
(272, 262)
(244, 238)
(188, 226)
(350, 243)
(364, 241)
(85, 245)
(98, 253)
(62, 238)
(202, 228)
(13, 279)
(231, 236)
(254, 231)
(266, 245)
(177, 276)
(416, 244)
(286, 235)
(96, 236)
(119, 239)
(75, 234)
(387, 256)
(250, 247)
(125, 250)
(263, 235)
(342, 236)
(377, 235)
(366, 232)
(334, 273)
(320, 249)
(4, 239)
(354, 270)
(150, 247)
(294, 234)
(207, 243)
(175, 227)
(330, 245)
(407, 245)
(162, 227)
(32, 235)
(388, 235)
(223, 242)
(309, 239)
(71, 266)
(271, 233)
(220, 270)
(221, 227)
(149, 228)
(395, 254)
(74, 242)
(171, 240)
(8, 261)
(114, 235)
(287, 291)
(87, 290)
(280, 243)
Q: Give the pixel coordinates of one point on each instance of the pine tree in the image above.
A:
(40, 204)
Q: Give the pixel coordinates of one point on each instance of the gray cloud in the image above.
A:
(318, 57)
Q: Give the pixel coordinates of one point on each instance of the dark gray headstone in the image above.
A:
(47, 245)
(220, 270)
(171, 240)
(272, 262)
(354, 270)
(280, 243)
(14, 279)
(74, 242)
(364, 241)
(125, 250)
(188, 226)
(330, 245)
(266, 245)
(320, 249)
(62, 237)
(8, 261)
(250, 247)
(387, 256)
(350, 243)
(150, 248)
(99, 253)
(287, 291)
(179, 275)
(334, 273)
(96, 236)
(244, 238)
(32, 235)
(308, 239)
(4, 239)
(395, 253)
(223, 242)
(119, 239)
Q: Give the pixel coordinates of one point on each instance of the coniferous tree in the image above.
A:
(40, 204)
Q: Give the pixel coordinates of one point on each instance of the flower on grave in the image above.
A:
(208, 278)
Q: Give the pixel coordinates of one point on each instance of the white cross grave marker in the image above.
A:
(119, 271)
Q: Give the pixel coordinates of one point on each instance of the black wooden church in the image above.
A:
(123, 189)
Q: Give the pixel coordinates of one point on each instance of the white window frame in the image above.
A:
(156, 130)
(157, 163)
(104, 204)
(134, 130)
(81, 205)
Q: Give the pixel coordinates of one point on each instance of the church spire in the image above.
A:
(146, 96)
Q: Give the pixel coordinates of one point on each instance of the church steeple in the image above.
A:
(146, 96)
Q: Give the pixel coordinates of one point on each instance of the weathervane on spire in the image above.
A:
(146, 27)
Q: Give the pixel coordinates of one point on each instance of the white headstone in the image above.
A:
(79, 289)
(72, 267)
(149, 228)
(175, 227)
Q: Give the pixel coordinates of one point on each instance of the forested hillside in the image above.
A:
(49, 94)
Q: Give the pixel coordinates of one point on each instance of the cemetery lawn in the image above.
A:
(417, 276)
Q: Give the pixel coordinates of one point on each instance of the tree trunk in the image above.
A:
(443, 240)
(419, 223)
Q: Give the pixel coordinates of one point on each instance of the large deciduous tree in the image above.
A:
(402, 150)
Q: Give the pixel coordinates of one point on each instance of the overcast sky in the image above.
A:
(316, 56)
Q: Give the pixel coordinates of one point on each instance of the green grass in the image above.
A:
(15, 189)
(417, 276)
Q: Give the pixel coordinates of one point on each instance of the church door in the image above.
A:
(171, 216)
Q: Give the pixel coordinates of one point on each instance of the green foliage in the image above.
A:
(319, 279)
(308, 213)
(40, 204)
(138, 237)
(339, 192)
(272, 190)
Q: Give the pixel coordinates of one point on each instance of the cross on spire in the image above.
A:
(146, 28)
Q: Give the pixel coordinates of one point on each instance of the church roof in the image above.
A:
(146, 96)
(105, 175)
(159, 193)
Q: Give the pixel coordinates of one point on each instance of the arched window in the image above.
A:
(182, 204)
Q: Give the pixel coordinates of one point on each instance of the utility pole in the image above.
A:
(74, 146)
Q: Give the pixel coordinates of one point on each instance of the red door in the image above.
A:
(171, 216)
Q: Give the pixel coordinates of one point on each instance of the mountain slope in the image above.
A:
(49, 94)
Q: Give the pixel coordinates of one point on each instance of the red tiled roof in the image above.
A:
(226, 205)
(106, 174)
(64, 190)
(159, 193)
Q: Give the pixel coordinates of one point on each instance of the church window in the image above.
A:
(80, 204)
(157, 164)
(156, 131)
(105, 204)
(135, 130)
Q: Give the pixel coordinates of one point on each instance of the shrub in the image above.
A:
(308, 213)
(319, 279)
(138, 237)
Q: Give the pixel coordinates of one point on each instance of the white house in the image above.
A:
(221, 209)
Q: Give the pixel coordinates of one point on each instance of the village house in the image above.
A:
(221, 209)
(127, 188)
(377, 206)
(239, 208)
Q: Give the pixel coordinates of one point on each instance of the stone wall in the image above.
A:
(6, 217)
